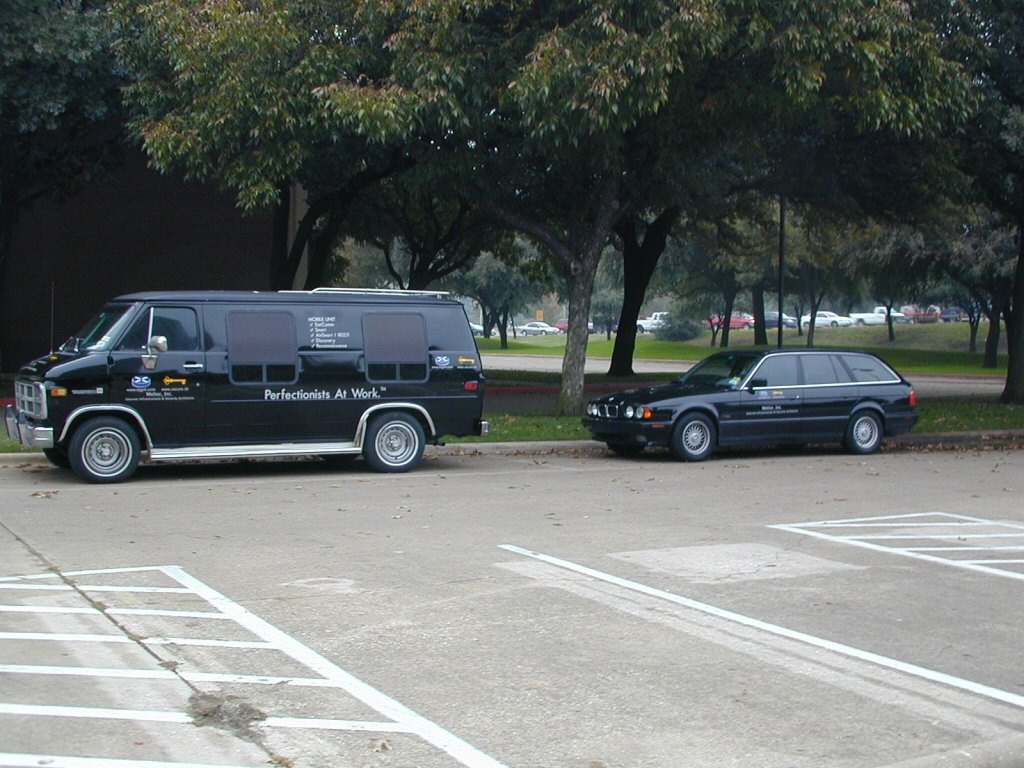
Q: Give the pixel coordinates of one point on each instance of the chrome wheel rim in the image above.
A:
(106, 452)
(695, 437)
(865, 432)
(396, 443)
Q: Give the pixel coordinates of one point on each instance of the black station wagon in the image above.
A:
(757, 397)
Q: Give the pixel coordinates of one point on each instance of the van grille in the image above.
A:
(30, 398)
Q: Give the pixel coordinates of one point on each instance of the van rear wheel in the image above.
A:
(394, 442)
(104, 450)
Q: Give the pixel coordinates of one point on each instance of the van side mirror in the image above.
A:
(155, 346)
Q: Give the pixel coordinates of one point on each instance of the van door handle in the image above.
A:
(193, 366)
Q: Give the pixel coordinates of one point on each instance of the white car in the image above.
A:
(826, 319)
(537, 328)
(876, 317)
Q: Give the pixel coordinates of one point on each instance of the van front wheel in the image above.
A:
(104, 450)
(394, 442)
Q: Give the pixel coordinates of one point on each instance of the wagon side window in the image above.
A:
(261, 348)
(395, 345)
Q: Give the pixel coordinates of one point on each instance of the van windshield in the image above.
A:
(101, 331)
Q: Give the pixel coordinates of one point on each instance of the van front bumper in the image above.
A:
(29, 435)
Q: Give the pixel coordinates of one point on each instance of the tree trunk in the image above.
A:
(973, 343)
(639, 260)
(760, 331)
(991, 359)
(1014, 389)
(279, 240)
(730, 302)
(581, 288)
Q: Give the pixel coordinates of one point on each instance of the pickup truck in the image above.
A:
(876, 317)
(652, 323)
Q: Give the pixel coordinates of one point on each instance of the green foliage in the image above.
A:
(59, 99)
(680, 328)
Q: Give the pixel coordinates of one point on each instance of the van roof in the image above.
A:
(319, 295)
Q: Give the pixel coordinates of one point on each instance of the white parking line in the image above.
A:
(930, 527)
(883, 661)
(21, 760)
(399, 718)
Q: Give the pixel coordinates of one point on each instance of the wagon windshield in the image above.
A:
(101, 331)
(725, 371)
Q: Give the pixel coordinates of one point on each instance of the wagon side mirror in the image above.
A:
(755, 383)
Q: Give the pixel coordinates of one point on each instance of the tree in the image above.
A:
(981, 256)
(992, 150)
(561, 117)
(59, 103)
(893, 263)
(436, 232)
(502, 285)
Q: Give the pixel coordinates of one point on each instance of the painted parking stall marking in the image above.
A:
(934, 676)
(104, 606)
(993, 547)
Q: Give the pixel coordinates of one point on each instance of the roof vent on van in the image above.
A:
(374, 291)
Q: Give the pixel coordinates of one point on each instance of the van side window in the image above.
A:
(395, 345)
(261, 348)
(177, 324)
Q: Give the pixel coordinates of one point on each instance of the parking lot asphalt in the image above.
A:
(506, 606)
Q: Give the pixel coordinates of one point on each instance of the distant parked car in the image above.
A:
(563, 326)
(771, 320)
(737, 320)
(478, 330)
(537, 328)
(826, 319)
(952, 314)
(877, 317)
(916, 314)
(652, 323)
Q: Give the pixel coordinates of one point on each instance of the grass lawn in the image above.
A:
(931, 348)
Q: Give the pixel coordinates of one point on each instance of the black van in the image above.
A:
(216, 375)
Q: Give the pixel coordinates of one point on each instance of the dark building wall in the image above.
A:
(136, 231)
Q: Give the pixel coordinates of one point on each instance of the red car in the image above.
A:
(741, 320)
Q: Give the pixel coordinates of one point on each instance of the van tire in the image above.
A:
(58, 457)
(394, 442)
(104, 450)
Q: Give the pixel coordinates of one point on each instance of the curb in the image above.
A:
(985, 439)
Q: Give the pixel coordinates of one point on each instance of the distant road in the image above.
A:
(926, 385)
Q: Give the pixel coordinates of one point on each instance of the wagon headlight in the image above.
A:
(592, 409)
(629, 411)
